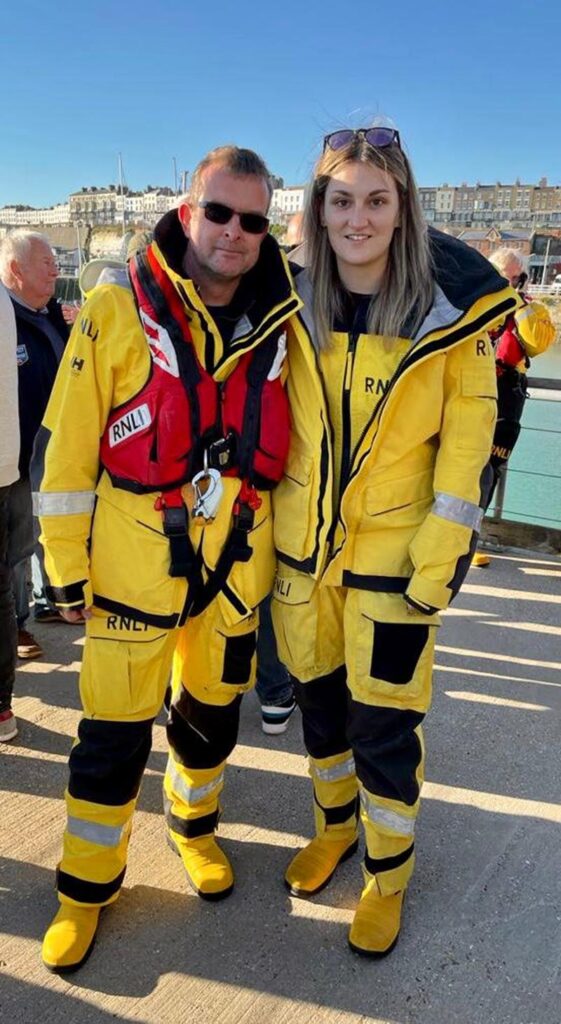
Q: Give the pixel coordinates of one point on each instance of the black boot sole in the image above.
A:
(70, 968)
(369, 954)
(210, 897)
(306, 894)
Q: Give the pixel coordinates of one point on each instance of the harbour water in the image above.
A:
(533, 488)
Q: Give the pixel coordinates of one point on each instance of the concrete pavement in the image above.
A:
(481, 942)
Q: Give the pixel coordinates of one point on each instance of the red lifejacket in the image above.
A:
(159, 439)
(508, 348)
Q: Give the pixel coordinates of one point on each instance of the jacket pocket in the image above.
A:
(478, 409)
(397, 496)
(292, 505)
(130, 563)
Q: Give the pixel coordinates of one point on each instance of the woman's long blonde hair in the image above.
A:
(407, 287)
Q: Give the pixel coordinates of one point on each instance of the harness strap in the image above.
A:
(236, 548)
(263, 359)
(184, 561)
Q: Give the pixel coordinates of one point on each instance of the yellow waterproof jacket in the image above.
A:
(104, 542)
(413, 501)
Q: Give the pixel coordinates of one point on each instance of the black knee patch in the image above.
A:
(192, 828)
(107, 763)
(396, 651)
(202, 735)
(386, 749)
(376, 864)
(324, 704)
(339, 815)
(237, 658)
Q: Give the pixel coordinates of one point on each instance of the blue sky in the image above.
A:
(475, 88)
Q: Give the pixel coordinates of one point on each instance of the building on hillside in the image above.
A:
(285, 202)
(486, 241)
(105, 206)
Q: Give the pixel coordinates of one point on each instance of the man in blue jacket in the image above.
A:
(29, 272)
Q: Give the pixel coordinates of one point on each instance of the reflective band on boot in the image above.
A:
(313, 867)
(207, 867)
(375, 928)
(70, 938)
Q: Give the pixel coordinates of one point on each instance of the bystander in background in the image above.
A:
(524, 334)
(29, 272)
(9, 454)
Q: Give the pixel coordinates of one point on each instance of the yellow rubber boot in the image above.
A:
(207, 867)
(70, 938)
(375, 928)
(480, 560)
(313, 867)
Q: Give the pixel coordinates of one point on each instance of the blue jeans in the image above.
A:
(274, 685)
(7, 617)
(20, 544)
(24, 544)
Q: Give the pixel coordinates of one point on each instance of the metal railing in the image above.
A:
(544, 289)
(550, 392)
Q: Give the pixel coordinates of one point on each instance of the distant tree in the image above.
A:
(277, 230)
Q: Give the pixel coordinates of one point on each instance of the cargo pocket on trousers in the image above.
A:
(392, 665)
(238, 655)
(396, 651)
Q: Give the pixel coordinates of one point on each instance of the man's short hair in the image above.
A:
(17, 246)
(233, 159)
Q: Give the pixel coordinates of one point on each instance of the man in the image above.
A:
(160, 535)
(525, 334)
(274, 685)
(29, 272)
(9, 452)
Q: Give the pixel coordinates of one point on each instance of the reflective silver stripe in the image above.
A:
(382, 816)
(457, 510)
(191, 794)
(93, 832)
(336, 772)
(62, 503)
(522, 314)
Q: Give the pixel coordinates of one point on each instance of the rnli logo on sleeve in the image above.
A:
(22, 355)
(131, 423)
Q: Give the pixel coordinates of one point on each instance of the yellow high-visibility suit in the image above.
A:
(375, 523)
(105, 547)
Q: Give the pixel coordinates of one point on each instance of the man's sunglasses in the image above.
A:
(377, 137)
(251, 223)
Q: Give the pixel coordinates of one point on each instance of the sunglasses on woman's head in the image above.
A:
(377, 137)
(218, 213)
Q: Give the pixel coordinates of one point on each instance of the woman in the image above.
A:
(392, 389)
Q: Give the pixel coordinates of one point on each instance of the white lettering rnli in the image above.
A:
(131, 423)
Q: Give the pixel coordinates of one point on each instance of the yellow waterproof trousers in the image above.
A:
(363, 667)
(124, 676)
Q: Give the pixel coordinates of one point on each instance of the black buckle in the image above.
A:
(175, 521)
(244, 518)
(221, 454)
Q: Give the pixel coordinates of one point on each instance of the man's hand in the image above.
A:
(76, 614)
(69, 312)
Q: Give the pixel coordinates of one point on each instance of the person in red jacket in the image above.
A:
(525, 334)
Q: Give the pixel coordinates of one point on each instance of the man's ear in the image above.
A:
(15, 270)
(185, 213)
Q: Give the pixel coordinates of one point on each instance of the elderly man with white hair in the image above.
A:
(28, 271)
